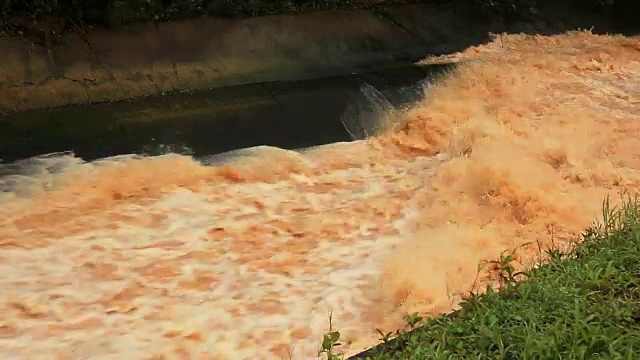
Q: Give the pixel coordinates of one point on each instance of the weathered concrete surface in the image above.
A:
(198, 54)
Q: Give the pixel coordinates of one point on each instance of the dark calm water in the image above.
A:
(288, 115)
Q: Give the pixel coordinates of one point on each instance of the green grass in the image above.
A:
(584, 304)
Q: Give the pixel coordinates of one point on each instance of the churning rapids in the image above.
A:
(162, 257)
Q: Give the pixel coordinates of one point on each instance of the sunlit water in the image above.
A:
(245, 258)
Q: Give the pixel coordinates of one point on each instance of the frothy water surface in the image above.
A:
(164, 257)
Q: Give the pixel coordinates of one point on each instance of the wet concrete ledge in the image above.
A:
(150, 59)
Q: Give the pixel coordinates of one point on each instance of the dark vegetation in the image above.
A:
(56, 16)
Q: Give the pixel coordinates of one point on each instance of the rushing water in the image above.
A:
(164, 256)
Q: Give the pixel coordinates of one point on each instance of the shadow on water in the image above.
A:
(288, 115)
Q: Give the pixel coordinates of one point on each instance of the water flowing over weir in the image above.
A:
(302, 114)
(162, 257)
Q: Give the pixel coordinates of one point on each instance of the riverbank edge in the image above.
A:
(589, 296)
(155, 58)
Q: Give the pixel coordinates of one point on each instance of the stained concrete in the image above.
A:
(197, 54)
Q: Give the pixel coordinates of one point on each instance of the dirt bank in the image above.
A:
(148, 59)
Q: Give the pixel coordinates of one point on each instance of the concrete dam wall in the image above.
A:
(155, 58)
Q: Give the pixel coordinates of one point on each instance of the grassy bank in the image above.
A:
(580, 305)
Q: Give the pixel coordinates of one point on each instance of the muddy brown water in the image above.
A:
(244, 271)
